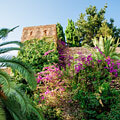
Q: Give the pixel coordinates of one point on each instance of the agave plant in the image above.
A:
(12, 99)
(105, 46)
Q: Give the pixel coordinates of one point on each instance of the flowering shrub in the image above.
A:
(53, 94)
(38, 53)
(107, 63)
(63, 58)
(82, 90)
(91, 86)
(51, 88)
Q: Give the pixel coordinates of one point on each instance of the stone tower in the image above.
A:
(38, 32)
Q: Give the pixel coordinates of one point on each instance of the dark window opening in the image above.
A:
(30, 33)
(45, 32)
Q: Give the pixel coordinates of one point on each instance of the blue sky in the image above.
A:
(41, 12)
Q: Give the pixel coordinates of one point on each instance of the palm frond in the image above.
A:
(9, 88)
(11, 42)
(22, 105)
(14, 107)
(36, 111)
(115, 57)
(4, 50)
(10, 30)
(23, 69)
(4, 32)
(16, 111)
(101, 43)
(107, 46)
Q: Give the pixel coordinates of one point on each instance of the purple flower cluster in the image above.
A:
(99, 61)
(112, 67)
(50, 82)
(83, 61)
(78, 67)
(48, 73)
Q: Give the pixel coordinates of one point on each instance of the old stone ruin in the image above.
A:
(49, 31)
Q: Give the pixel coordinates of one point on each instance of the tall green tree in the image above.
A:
(60, 33)
(89, 24)
(93, 24)
(70, 33)
(104, 30)
(11, 97)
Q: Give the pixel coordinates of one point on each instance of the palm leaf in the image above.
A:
(4, 32)
(36, 111)
(115, 57)
(9, 89)
(11, 42)
(14, 107)
(26, 72)
(18, 114)
(107, 47)
(101, 43)
(4, 50)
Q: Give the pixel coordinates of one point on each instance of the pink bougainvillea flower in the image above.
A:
(49, 51)
(42, 98)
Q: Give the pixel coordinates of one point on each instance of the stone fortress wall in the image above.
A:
(38, 32)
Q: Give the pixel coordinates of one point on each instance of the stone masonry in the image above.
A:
(38, 32)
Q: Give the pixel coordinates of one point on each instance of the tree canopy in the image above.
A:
(70, 33)
(92, 24)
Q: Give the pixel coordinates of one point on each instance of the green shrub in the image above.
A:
(36, 54)
(91, 87)
(33, 53)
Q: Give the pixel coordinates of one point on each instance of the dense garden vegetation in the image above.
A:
(84, 89)
(14, 104)
(87, 88)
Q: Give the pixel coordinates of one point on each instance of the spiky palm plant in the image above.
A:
(107, 46)
(12, 98)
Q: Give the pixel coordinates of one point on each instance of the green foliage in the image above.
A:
(51, 113)
(60, 33)
(93, 24)
(98, 105)
(106, 47)
(2, 111)
(70, 32)
(91, 88)
(87, 28)
(114, 114)
(104, 30)
(15, 102)
(33, 53)
(4, 32)
(37, 54)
